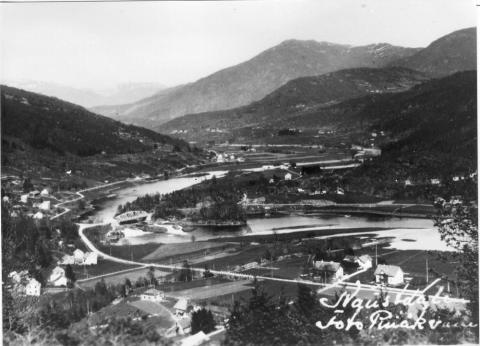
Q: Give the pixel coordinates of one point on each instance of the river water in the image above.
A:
(406, 233)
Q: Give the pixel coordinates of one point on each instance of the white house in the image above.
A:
(17, 277)
(220, 158)
(389, 274)
(44, 192)
(153, 295)
(181, 306)
(340, 191)
(45, 205)
(57, 277)
(79, 256)
(90, 258)
(38, 215)
(372, 152)
(288, 176)
(5, 199)
(364, 261)
(435, 181)
(33, 288)
(67, 259)
(329, 271)
(250, 265)
(24, 198)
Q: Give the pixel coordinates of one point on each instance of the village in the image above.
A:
(170, 293)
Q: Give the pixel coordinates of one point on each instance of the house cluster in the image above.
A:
(364, 153)
(225, 157)
(80, 258)
(331, 271)
(37, 204)
(22, 283)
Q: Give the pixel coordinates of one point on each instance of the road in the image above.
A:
(366, 291)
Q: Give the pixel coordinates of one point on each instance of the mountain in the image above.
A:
(431, 132)
(449, 54)
(298, 97)
(122, 93)
(254, 79)
(41, 133)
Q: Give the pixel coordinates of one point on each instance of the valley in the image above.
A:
(311, 171)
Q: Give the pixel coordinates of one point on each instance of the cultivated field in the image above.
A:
(207, 292)
(171, 250)
(115, 279)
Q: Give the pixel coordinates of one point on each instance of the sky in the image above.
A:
(99, 45)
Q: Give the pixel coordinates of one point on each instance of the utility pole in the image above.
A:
(376, 255)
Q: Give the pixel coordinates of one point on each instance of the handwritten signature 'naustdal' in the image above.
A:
(382, 318)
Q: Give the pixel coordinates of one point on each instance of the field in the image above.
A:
(103, 267)
(250, 254)
(167, 251)
(130, 252)
(133, 275)
(208, 292)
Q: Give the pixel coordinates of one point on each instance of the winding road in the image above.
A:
(457, 303)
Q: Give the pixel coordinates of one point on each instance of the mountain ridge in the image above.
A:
(253, 79)
(42, 134)
(446, 55)
(305, 94)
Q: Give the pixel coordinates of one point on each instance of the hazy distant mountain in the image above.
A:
(123, 93)
(299, 96)
(254, 79)
(449, 54)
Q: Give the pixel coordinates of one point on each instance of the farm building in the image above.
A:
(328, 271)
(181, 307)
(57, 277)
(33, 288)
(389, 274)
(153, 294)
(90, 258)
(79, 256)
(67, 259)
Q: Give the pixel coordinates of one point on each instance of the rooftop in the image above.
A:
(389, 270)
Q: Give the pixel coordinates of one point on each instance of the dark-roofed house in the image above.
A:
(328, 271)
(389, 274)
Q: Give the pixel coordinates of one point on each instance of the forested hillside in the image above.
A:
(45, 135)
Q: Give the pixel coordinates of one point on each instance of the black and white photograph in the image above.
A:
(252, 172)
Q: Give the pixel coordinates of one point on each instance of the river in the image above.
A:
(407, 233)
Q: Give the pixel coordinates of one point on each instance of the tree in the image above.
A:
(206, 273)
(128, 286)
(185, 272)
(458, 227)
(202, 320)
(151, 276)
(307, 302)
(27, 185)
(81, 204)
(70, 275)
